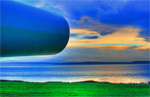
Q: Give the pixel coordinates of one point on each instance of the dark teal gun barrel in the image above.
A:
(27, 30)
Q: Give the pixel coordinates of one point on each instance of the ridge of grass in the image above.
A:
(78, 89)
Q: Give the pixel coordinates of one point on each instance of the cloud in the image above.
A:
(49, 5)
(90, 37)
(122, 38)
(118, 47)
(83, 34)
(86, 22)
(82, 31)
(143, 47)
(84, 18)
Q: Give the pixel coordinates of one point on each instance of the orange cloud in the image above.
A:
(122, 38)
(119, 47)
(82, 31)
(143, 47)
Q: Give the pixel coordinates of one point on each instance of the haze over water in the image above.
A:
(114, 73)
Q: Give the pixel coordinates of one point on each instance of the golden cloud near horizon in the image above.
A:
(122, 38)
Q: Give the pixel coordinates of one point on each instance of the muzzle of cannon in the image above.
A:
(27, 30)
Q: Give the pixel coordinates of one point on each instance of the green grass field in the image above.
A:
(83, 89)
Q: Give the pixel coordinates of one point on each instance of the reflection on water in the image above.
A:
(124, 73)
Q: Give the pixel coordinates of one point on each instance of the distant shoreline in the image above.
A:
(134, 62)
(85, 81)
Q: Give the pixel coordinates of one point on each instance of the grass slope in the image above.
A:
(84, 89)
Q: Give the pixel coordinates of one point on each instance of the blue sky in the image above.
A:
(100, 30)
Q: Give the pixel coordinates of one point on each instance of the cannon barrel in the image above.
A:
(27, 30)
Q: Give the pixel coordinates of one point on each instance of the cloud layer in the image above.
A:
(122, 38)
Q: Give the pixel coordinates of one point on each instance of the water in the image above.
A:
(115, 73)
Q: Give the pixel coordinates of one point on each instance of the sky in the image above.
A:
(100, 30)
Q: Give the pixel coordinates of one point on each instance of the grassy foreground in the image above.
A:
(83, 89)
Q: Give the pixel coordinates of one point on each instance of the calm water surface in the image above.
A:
(115, 73)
